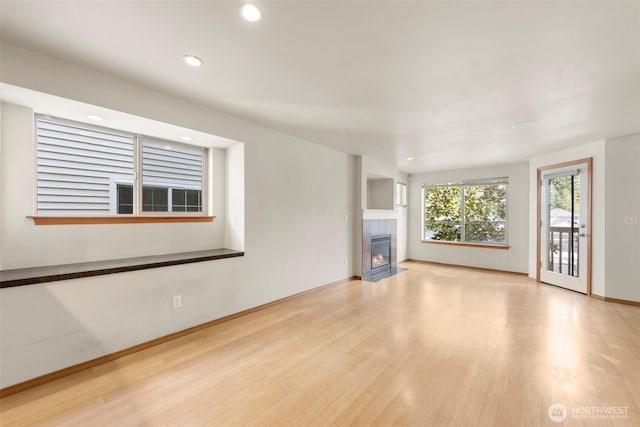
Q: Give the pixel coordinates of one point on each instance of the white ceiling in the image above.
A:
(452, 84)
(79, 111)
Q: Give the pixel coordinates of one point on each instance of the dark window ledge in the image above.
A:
(30, 276)
(116, 219)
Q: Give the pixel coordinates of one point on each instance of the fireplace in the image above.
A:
(380, 255)
(379, 249)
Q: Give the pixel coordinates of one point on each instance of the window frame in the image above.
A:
(139, 178)
(138, 215)
(462, 184)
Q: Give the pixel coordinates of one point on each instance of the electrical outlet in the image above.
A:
(176, 301)
(630, 220)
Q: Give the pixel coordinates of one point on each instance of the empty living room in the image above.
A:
(319, 213)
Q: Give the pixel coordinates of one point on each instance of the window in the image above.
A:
(155, 199)
(87, 170)
(125, 199)
(472, 212)
(186, 200)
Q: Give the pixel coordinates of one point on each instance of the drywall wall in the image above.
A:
(514, 259)
(297, 233)
(234, 237)
(622, 203)
(593, 150)
(359, 192)
(401, 217)
(380, 193)
(2, 134)
(371, 169)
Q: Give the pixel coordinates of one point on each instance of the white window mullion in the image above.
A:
(463, 189)
(137, 177)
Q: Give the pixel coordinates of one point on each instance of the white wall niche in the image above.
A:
(380, 192)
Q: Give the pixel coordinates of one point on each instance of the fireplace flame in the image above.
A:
(378, 260)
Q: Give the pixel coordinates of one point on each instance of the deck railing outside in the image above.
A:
(563, 250)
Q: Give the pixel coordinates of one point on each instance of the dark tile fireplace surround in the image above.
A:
(379, 249)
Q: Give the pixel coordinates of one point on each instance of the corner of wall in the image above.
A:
(357, 215)
(234, 197)
(2, 180)
(622, 209)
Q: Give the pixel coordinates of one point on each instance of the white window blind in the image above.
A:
(171, 165)
(77, 165)
(86, 170)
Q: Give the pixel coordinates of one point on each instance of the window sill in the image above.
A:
(54, 273)
(472, 245)
(116, 219)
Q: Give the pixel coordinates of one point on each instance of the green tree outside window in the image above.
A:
(466, 213)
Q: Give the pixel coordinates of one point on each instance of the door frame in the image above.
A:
(589, 162)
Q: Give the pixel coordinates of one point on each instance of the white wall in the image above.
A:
(372, 169)
(622, 248)
(2, 179)
(359, 200)
(234, 237)
(401, 216)
(514, 259)
(298, 234)
(596, 151)
(380, 194)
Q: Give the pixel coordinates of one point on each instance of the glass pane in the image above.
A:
(193, 197)
(174, 166)
(125, 199)
(155, 199)
(380, 251)
(443, 211)
(485, 213)
(178, 197)
(563, 201)
(186, 200)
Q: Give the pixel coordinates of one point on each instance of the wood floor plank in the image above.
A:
(435, 345)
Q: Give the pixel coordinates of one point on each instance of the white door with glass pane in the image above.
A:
(564, 227)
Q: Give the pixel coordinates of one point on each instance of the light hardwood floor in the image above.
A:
(434, 345)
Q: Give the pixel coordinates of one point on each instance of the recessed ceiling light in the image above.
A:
(250, 12)
(192, 60)
(185, 138)
(409, 158)
(94, 117)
